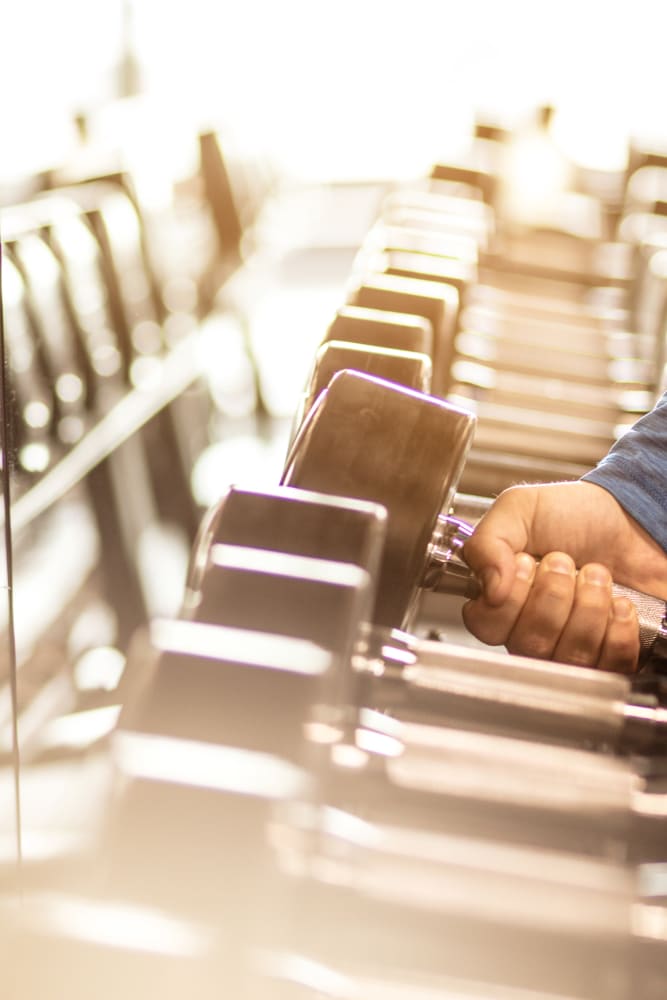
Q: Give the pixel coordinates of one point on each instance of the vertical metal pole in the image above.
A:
(6, 496)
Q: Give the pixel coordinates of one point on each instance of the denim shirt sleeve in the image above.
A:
(635, 472)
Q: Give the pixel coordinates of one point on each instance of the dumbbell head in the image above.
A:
(479, 170)
(381, 328)
(419, 209)
(224, 686)
(415, 239)
(429, 267)
(291, 563)
(291, 521)
(373, 440)
(403, 367)
(215, 740)
(435, 301)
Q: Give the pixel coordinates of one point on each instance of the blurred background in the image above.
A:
(323, 90)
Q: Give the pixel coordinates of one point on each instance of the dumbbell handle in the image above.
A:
(447, 573)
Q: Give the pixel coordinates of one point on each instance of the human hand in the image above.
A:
(549, 610)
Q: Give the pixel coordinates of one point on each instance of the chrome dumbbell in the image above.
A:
(405, 451)
(248, 572)
(218, 810)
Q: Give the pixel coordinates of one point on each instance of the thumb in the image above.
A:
(497, 538)
(492, 561)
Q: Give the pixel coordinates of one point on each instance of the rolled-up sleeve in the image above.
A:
(635, 472)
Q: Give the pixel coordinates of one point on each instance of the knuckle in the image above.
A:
(582, 656)
(554, 591)
(534, 645)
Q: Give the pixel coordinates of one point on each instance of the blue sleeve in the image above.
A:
(635, 472)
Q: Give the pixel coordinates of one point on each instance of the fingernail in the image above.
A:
(525, 566)
(623, 609)
(596, 575)
(558, 563)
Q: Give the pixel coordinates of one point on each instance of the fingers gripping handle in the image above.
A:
(447, 573)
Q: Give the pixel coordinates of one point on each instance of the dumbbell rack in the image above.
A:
(414, 913)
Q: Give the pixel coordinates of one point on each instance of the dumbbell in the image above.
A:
(610, 345)
(419, 209)
(171, 781)
(211, 748)
(439, 243)
(379, 330)
(610, 405)
(473, 379)
(524, 353)
(262, 564)
(228, 716)
(385, 238)
(516, 269)
(523, 356)
(478, 914)
(571, 424)
(367, 327)
(420, 250)
(497, 439)
(498, 429)
(237, 695)
(245, 574)
(392, 427)
(404, 451)
(512, 268)
(594, 266)
(434, 301)
(605, 263)
(477, 166)
(260, 708)
(516, 426)
(407, 368)
(458, 272)
(301, 523)
(392, 654)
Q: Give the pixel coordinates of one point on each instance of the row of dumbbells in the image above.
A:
(557, 347)
(353, 809)
(332, 807)
(308, 803)
(395, 703)
(333, 794)
(349, 809)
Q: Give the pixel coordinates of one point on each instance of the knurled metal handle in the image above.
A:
(652, 617)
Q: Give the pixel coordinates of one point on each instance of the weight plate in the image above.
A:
(403, 367)
(382, 328)
(373, 440)
(292, 521)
